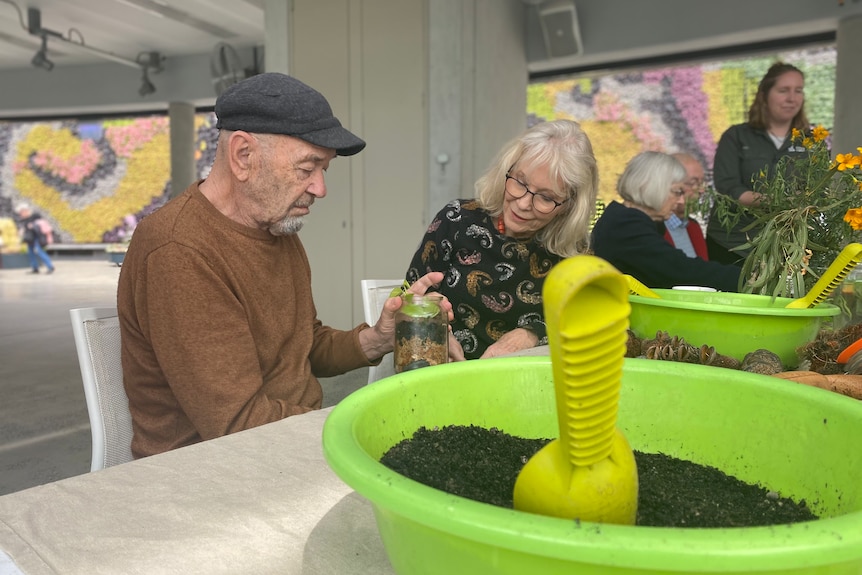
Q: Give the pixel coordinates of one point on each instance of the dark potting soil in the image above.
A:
(482, 464)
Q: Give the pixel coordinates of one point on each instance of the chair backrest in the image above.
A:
(97, 339)
(374, 295)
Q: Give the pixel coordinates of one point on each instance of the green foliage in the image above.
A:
(800, 217)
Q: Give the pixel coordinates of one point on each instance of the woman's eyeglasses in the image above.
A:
(541, 203)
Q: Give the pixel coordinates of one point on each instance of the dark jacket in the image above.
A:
(741, 154)
(633, 243)
(30, 230)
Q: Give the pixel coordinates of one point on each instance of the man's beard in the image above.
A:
(287, 226)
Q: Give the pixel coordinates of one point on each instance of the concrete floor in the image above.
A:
(44, 428)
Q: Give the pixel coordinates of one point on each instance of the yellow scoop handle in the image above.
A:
(637, 288)
(848, 259)
(589, 473)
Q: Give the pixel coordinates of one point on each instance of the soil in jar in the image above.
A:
(420, 342)
(483, 464)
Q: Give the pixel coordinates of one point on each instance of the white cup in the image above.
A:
(694, 288)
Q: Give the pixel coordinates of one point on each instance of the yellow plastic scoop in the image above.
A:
(637, 288)
(848, 259)
(589, 473)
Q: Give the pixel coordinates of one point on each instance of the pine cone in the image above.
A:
(667, 348)
(633, 344)
(762, 361)
(708, 356)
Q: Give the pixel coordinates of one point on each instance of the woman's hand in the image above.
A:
(456, 352)
(512, 341)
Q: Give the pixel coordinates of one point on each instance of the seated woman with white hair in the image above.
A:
(630, 235)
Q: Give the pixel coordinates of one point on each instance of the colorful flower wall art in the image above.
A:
(679, 108)
(92, 179)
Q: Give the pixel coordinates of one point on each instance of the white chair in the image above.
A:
(97, 339)
(374, 295)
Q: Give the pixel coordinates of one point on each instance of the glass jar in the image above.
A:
(421, 332)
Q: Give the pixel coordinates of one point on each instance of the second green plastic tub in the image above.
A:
(734, 324)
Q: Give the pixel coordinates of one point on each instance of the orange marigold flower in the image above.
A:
(854, 218)
(847, 161)
(819, 133)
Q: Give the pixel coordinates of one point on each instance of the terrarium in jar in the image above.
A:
(421, 332)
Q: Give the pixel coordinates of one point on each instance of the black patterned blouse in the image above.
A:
(493, 281)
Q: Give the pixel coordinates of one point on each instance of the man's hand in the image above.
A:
(512, 341)
(380, 339)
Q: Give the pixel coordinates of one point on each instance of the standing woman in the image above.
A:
(745, 150)
(533, 208)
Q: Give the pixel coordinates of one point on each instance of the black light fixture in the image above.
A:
(147, 87)
(149, 62)
(40, 59)
(146, 61)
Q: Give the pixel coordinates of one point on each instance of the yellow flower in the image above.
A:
(854, 218)
(819, 133)
(808, 143)
(795, 134)
(846, 161)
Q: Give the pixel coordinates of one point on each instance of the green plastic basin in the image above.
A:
(786, 436)
(734, 324)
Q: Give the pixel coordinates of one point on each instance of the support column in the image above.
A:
(276, 30)
(183, 169)
(848, 86)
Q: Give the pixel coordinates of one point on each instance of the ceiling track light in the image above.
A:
(146, 61)
(40, 59)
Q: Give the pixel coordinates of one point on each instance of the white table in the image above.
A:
(255, 502)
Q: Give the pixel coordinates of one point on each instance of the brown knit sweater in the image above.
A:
(219, 330)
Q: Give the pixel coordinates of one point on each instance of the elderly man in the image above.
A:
(683, 231)
(219, 328)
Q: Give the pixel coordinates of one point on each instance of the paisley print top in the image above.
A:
(493, 281)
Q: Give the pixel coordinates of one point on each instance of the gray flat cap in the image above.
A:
(274, 103)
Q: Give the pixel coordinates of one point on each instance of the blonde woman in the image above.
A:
(533, 207)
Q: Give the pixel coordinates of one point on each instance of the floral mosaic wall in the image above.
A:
(680, 108)
(94, 179)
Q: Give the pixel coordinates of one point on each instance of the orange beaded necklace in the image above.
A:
(501, 226)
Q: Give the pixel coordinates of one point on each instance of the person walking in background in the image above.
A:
(747, 149)
(219, 328)
(630, 235)
(683, 231)
(34, 237)
(533, 207)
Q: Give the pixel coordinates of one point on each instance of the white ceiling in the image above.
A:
(127, 28)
